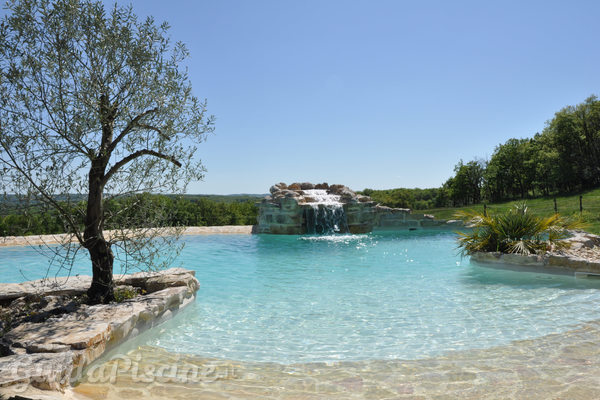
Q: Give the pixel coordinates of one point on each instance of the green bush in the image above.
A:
(125, 293)
(515, 231)
(138, 211)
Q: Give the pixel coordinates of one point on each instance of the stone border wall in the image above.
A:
(581, 255)
(49, 355)
(387, 218)
(561, 262)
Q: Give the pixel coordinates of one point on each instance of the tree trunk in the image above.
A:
(101, 254)
(102, 257)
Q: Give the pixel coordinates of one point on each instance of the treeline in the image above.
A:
(563, 158)
(416, 199)
(144, 210)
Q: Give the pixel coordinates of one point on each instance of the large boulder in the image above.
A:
(347, 195)
(306, 186)
(336, 189)
(277, 187)
(154, 281)
(69, 286)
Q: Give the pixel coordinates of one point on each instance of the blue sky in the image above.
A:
(377, 94)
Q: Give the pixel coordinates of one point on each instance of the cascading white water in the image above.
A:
(320, 196)
(326, 214)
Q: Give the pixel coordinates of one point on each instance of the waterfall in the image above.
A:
(326, 213)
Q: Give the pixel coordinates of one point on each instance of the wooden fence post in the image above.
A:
(555, 208)
(580, 204)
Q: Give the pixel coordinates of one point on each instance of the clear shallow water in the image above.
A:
(402, 295)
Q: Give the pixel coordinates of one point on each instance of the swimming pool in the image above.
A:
(393, 295)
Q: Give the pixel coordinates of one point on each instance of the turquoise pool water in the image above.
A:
(399, 295)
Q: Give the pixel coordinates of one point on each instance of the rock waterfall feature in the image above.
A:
(326, 213)
(306, 208)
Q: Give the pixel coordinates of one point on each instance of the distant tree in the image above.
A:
(95, 105)
(507, 175)
(442, 198)
(367, 191)
(464, 187)
(417, 199)
(397, 198)
(544, 160)
(575, 134)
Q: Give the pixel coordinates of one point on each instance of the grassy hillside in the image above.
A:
(567, 205)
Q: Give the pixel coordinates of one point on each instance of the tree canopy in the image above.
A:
(95, 103)
(563, 158)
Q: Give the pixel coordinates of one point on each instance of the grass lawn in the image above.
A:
(567, 206)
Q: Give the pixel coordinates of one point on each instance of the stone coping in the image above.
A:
(6, 241)
(52, 354)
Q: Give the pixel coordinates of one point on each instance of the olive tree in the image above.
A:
(95, 104)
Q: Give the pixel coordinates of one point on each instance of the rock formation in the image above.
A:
(302, 208)
(58, 340)
(306, 208)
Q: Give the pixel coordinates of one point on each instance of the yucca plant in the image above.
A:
(516, 231)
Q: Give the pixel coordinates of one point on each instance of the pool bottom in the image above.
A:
(557, 366)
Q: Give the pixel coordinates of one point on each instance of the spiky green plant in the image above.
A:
(516, 231)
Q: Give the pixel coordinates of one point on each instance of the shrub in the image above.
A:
(515, 231)
(123, 293)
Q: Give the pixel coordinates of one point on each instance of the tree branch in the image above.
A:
(85, 151)
(48, 198)
(155, 129)
(132, 124)
(135, 155)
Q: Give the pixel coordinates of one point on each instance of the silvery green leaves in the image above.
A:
(95, 105)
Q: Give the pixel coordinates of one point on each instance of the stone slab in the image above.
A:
(78, 285)
(51, 353)
(48, 371)
(155, 281)
(70, 286)
(77, 334)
